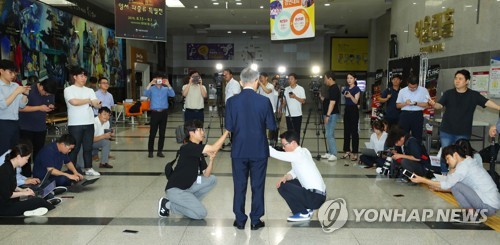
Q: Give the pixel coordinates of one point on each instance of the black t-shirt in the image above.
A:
(7, 183)
(189, 164)
(459, 110)
(333, 93)
(412, 147)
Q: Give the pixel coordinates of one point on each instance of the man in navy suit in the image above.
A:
(248, 114)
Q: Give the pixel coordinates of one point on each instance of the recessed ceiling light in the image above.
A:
(229, 32)
(215, 3)
(195, 6)
(238, 3)
(468, 6)
(243, 32)
(414, 3)
(443, 7)
(263, 6)
(174, 4)
(327, 4)
(405, 31)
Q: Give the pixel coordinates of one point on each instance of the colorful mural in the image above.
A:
(45, 41)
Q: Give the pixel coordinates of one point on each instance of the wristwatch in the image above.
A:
(327, 115)
(415, 103)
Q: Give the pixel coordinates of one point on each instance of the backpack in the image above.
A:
(180, 136)
(169, 167)
(135, 108)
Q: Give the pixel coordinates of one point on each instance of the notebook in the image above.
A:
(369, 152)
(44, 181)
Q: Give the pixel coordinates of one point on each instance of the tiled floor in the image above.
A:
(126, 198)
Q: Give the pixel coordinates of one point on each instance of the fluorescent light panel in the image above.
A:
(174, 4)
(58, 2)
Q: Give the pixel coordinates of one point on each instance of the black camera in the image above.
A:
(383, 170)
(196, 79)
(218, 80)
(314, 87)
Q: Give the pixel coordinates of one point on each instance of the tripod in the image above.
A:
(279, 115)
(219, 107)
(318, 121)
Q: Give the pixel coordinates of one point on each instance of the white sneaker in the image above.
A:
(326, 156)
(332, 158)
(36, 212)
(91, 171)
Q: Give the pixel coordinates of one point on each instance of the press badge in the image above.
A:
(198, 180)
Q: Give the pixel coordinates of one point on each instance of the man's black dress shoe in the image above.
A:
(160, 155)
(150, 155)
(239, 226)
(258, 225)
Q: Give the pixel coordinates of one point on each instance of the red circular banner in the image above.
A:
(306, 24)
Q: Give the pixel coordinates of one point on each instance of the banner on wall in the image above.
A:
(349, 54)
(210, 51)
(292, 19)
(47, 41)
(136, 19)
(494, 86)
(406, 67)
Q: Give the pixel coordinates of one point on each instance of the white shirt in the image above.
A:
(232, 88)
(469, 173)
(82, 114)
(270, 96)
(99, 127)
(303, 167)
(376, 143)
(419, 95)
(294, 105)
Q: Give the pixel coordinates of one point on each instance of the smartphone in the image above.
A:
(408, 174)
(290, 93)
(130, 231)
(108, 130)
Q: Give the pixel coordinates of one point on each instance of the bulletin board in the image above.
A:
(494, 78)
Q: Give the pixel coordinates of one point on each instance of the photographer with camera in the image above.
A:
(195, 93)
(410, 156)
(470, 183)
(331, 112)
(158, 91)
(295, 97)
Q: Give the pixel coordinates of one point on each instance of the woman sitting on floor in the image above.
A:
(377, 141)
(10, 193)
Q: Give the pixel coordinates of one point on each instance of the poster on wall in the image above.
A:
(145, 20)
(480, 82)
(406, 67)
(292, 19)
(47, 41)
(210, 51)
(349, 54)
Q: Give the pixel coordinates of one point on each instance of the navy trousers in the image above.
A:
(242, 169)
(298, 198)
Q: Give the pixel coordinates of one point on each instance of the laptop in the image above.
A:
(369, 152)
(43, 192)
(78, 186)
(44, 181)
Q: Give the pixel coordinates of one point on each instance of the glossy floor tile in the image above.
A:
(121, 208)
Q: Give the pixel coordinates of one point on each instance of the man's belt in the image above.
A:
(159, 110)
(317, 192)
(194, 110)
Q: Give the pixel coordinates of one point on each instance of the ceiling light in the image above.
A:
(215, 3)
(468, 6)
(238, 3)
(263, 6)
(195, 6)
(229, 32)
(58, 2)
(243, 32)
(405, 31)
(174, 4)
(327, 4)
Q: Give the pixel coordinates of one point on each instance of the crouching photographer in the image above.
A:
(410, 156)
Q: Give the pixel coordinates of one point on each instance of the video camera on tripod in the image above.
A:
(218, 77)
(314, 87)
(282, 83)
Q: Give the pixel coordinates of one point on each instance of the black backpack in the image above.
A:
(135, 108)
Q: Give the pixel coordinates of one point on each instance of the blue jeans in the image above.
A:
(446, 140)
(330, 134)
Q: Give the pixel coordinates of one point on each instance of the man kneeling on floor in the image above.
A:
(53, 156)
(470, 184)
(302, 187)
(191, 179)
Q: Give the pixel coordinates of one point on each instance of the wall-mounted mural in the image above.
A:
(45, 41)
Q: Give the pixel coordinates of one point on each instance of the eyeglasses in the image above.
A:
(287, 143)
